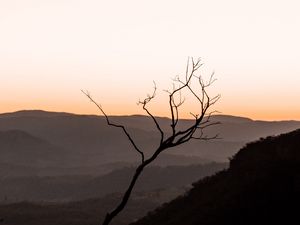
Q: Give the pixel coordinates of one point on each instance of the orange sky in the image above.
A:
(51, 49)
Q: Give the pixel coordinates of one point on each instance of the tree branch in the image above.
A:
(87, 94)
(177, 137)
(144, 104)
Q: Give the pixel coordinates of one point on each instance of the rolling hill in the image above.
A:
(79, 187)
(88, 141)
(22, 149)
(261, 186)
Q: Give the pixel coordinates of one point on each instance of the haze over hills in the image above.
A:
(86, 140)
(79, 187)
(87, 212)
(22, 154)
(261, 186)
(23, 149)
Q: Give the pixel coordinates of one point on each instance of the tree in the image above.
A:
(177, 136)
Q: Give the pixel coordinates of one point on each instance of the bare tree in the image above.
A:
(177, 136)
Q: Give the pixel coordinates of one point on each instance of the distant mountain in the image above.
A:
(23, 149)
(22, 154)
(16, 168)
(152, 178)
(88, 141)
(261, 186)
(231, 119)
(33, 113)
(70, 188)
(11, 170)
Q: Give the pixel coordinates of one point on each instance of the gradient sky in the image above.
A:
(51, 49)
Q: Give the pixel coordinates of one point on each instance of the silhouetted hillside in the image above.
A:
(262, 186)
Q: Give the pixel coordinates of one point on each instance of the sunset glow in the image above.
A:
(50, 50)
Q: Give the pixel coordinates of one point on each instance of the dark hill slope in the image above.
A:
(262, 186)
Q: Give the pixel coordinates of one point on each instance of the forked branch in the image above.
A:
(87, 94)
(144, 104)
(177, 137)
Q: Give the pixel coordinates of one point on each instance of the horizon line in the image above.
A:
(128, 115)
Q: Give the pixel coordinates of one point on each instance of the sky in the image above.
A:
(52, 49)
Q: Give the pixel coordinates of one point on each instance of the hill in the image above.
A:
(79, 187)
(21, 148)
(87, 212)
(261, 186)
(88, 140)
(157, 186)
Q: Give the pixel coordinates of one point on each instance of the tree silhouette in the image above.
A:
(177, 136)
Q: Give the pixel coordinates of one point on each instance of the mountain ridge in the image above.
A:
(91, 141)
(45, 113)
